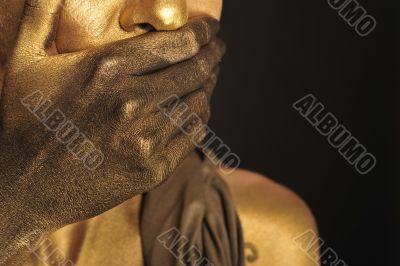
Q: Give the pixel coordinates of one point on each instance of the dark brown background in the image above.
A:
(279, 51)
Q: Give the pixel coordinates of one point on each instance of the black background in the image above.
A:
(279, 51)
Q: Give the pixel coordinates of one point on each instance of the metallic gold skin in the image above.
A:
(111, 93)
(272, 216)
(91, 23)
(108, 83)
(160, 14)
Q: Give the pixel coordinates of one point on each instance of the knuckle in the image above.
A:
(129, 109)
(144, 147)
(103, 62)
(157, 172)
(107, 67)
(129, 143)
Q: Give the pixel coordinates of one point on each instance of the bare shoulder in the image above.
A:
(272, 217)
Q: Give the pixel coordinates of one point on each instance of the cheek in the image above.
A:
(85, 23)
(212, 8)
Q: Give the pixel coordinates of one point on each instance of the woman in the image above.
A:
(83, 136)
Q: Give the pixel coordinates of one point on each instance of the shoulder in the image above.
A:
(253, 190)
(272, 216)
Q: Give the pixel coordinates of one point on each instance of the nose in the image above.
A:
(160, 14)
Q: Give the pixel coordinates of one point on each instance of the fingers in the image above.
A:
(175, 152)
(156, 50)
(180, 79)
(189, 117)
(189, 112)
(39, 25)
(190, 75)
(144, 137)
(134, 97)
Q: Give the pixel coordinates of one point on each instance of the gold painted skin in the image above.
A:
(271, 215)
(111, 93)
(90, 23)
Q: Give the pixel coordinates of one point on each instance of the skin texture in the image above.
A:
(112, 94)
(272, 216)
(97, 37)
(91, 23)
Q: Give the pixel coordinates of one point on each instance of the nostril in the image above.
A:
(138, 27)
(146, 27)
(151, 15)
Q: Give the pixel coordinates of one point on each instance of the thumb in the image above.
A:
(39, 26)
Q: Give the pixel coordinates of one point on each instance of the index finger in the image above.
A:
(157, 50)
